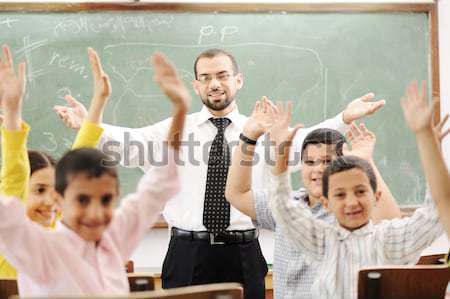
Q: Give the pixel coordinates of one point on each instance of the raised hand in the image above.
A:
(361, 107)
(362, 141)
(438, 127)
(281, 135)
(170, 83)
(418, 113)
(72, 115)
(12, 89)
(262, 118)
(102, 88)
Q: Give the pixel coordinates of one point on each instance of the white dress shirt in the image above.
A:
(185, 210)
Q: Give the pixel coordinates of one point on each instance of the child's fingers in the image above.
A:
(289, 112)
(412, 91)
(363, 129)
(355, 130)
(264, 105)
(8, 61)
(106, 84)
(441, 124)
(95, 63)
(423, 91)
(256, 107)
(349, 135)
(72, 101)
(297, 127)
(367, 97)
(22, 72)
(443, 135)
(280, 107)
(58, 108)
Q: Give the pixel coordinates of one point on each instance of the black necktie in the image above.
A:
(216, 209)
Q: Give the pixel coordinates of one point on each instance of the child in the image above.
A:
(86, 253)
(350, 189)
(292, 276)
(419, 117)
(33, 180)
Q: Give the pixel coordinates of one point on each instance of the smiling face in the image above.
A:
(41, 205)
(351, 198)
(316, 157)
(88, 204)
(217, 83)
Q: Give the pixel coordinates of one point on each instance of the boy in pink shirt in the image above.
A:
(86, 253)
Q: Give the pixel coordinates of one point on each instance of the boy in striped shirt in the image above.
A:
(350, 191)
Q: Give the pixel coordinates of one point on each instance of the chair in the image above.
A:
(141, 282)
(8, 287)
(206, 291)
(401, 282)
(433, 259)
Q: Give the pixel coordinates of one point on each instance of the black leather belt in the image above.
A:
(226, 237)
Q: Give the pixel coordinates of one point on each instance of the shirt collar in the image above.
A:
(302, 195)
(204, 115)
(344, 233)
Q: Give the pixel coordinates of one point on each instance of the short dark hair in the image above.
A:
(39, 160)
(324, 136)
(211, 53)
(88, 161)
(344, 163)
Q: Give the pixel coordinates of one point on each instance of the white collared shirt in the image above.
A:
(185, 210)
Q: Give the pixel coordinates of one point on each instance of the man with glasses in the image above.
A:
(210, 241)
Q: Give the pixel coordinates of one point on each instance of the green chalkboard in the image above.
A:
(321, 60)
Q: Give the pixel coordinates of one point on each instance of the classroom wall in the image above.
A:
(150, 254)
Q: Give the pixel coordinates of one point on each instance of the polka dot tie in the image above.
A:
(216, 210)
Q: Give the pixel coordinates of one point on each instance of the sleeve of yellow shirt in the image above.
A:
(15, 171)
(88, 135)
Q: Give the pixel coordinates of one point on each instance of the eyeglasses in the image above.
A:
(222, 77)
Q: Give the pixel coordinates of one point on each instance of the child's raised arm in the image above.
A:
(15, 169)
(419, 115)
(170, 83)
(90, 131)
(239, 191)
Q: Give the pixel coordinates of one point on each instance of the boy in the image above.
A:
(86, 253)
(292, 276)
(350, 191)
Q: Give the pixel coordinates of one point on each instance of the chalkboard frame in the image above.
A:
(430, 8)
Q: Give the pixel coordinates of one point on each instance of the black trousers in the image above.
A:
(193, 262)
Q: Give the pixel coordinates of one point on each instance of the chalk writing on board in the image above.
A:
(26, 50)
(111, 24)
(8, 22)
(51, 145)
(353, 84)
(65, 62)
(209, 31)
(62, 92)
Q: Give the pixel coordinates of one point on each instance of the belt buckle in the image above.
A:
(213, 242)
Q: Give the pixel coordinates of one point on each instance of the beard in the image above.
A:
(217, 106)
